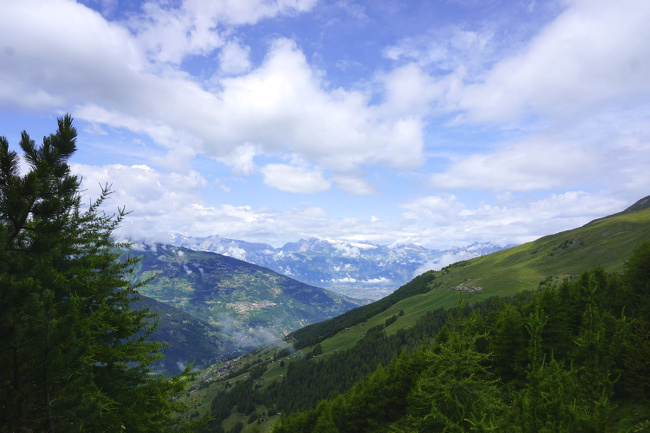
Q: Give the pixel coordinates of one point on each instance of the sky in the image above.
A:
(440, 123)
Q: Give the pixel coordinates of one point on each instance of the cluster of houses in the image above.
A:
(215, 372)
(287, 359)
(467, 289)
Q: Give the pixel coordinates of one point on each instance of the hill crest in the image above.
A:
(605, 242)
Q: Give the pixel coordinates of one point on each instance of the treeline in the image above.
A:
(568, 358)
(311, 380)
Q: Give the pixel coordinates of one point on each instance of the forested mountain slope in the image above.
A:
(246, 303)
(190, 340)
(547, 317)
(567, 358)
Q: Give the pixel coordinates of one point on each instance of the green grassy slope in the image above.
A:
(605, 242)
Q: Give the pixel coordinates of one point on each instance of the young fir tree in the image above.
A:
(73, 351)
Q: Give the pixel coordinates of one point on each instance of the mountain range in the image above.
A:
(361, 270)
(213, 306)
(334, 356)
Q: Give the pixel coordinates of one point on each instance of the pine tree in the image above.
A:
(73, 350)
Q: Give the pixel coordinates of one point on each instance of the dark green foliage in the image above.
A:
(238, 427)
(318, 350)
(637, 277)
(309, 381)
(282, 353)
(74, 354)
(372, 402)
(409, 383)
(240, 397)
(547, 401)
(257, 372)
(390, 321)
(456, 391)
(635, 359)
(508, 346)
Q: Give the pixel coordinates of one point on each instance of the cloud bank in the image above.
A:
(471, 131)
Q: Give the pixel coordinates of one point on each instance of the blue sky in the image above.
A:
(435, 122)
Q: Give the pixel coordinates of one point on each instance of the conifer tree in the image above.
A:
(508, 344)
(636, 374)
(637, 278)
(548, 402)
(73, 350)
(456, 392)
(596, 349)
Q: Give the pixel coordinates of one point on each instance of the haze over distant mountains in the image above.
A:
(213, 306)
(221, 297)
(361, 270)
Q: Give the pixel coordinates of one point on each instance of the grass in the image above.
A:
(607, 242)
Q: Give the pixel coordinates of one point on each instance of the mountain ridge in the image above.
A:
(605, 242)
(245, 303)
(639, 205)
(329, 351)
(362, 270)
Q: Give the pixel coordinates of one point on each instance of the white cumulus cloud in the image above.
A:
(295, 179)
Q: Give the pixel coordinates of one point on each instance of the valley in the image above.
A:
(332, 356)
(223, 305)
(305, 216)
(360, 270)
(215, 307)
